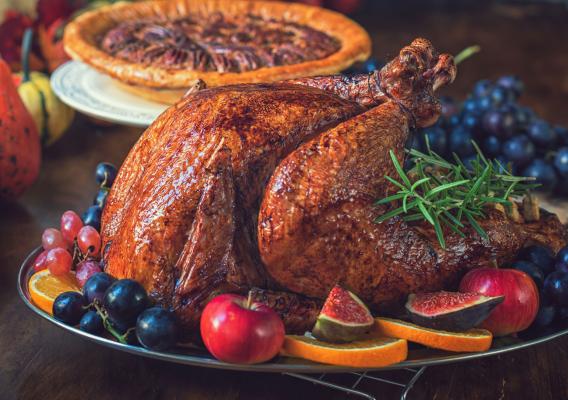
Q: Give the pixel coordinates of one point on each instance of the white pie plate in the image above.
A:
(95, 94)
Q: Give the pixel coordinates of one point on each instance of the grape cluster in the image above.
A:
(505, 130)
(74, 246)
(105, 174)
(121, 307)
(550, 273)
(77, 244)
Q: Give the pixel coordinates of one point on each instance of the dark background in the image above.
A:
(39, 361)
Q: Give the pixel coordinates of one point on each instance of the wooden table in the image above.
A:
(39, 361)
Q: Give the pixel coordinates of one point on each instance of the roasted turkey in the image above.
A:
(272, 186)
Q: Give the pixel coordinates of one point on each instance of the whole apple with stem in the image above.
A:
(520, 307)
(238, 330)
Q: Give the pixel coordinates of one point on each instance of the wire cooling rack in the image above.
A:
(358, 378)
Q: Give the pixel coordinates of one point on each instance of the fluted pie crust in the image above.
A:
(82, 40)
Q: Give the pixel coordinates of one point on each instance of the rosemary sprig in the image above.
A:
(450, 194)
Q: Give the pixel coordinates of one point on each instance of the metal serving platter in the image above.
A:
(418, 356)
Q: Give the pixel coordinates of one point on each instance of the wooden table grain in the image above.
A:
(40, 361)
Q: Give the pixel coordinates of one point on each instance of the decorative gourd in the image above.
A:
(51, 44)
(20, 151)
(52, 117)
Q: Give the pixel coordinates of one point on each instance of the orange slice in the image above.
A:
(472, 340)
(369, 353)
(44, 288)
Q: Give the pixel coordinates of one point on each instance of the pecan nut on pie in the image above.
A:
(159, 49)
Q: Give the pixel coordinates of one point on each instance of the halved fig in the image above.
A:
(343, 317)
(450, 311)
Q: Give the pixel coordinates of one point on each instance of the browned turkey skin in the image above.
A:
(272, 186)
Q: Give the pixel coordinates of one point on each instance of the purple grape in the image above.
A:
(91, 322)
(484, 103)
(508, 125)
(519, 149)
(543, 172)
(562, 134)
(470, 121)
(545, 316)
(101, 197)
(372, 64)
(562, 260)
(124, 300)
(511, 83)
(460, 142)
(561, 161)
(500, 95)
(93, 216)
(491, 146)
(556, 288)
(449, 106)
(482, 88)
(437, 139)
(470, 107)
(542, 134)
(542, 256)
(524, 116)
(531, 269)
(96, 286)
(105, 174)
(491, 122)
(157, 329)
(69, 307)
(454, 121)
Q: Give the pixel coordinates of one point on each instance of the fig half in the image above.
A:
(450, 311)
(343, 318)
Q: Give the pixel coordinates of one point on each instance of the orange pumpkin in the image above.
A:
(20, 151)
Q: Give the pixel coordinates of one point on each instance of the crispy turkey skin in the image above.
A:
(271, 186)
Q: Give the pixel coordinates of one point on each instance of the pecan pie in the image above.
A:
(160, 48)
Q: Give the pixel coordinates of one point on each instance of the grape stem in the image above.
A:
(108, 326)
(103, 184)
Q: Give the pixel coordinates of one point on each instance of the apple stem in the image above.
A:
(249, 300)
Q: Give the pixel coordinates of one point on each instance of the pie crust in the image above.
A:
(82, 41)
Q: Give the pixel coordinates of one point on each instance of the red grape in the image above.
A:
(59, 261)
(86, 269)
(70, 225)
(40, 261)
(89, 241)
(52, 238)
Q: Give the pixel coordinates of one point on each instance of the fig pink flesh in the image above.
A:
(344, 306)
(432, 303)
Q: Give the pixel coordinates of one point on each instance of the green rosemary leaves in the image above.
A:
(450, 194)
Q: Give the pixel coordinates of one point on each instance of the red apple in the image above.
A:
(238, 332)
(520, 306)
